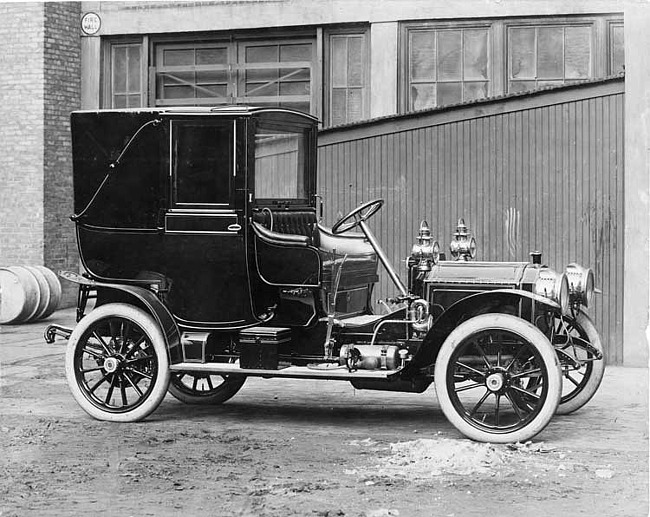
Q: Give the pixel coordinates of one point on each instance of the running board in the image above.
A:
(290, 372)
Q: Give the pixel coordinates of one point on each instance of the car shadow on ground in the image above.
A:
(383, 418)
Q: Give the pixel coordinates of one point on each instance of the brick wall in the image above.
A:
(21, 133)
(40, 61)
(62, 94)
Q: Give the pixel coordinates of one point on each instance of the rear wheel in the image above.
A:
(483, 377)
(204, 388)
(116, 363)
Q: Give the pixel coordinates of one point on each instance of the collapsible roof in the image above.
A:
(230, 110)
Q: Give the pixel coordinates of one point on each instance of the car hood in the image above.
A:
(482, 273)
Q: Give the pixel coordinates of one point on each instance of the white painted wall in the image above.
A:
(160, 17)
(383, 69)
(636, 333)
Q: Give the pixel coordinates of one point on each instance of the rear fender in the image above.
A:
(504, 301)
(142, 298)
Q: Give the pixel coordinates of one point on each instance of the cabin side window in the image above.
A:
(281, 164)
(203, 163)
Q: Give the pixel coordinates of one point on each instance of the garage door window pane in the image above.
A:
(550, 48)
(339, 60)
(475, 55)
(521, 86)
(423, 96)
(355, 65)
(548, 55)
(265, 54)
(347, 78)
(449, 55)
(212, 77)
(355, 104)
(475, 91)
(423, 55)
(178, 57)
(450, 93)
(522, 53)
(120, 69)
(211, 56)
(617, 49)
(447, 66)
(133, 63)
(126, 75)
(290, 52)
(234, 72)
(179, 92)
(263, 77)
(338, 106)
(577, 52)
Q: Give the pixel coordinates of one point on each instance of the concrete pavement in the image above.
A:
(299, 434)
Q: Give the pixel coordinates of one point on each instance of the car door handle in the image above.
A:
(234, 227)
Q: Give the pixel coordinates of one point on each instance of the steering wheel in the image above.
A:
(360, 214)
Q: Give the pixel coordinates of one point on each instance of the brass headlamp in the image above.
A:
(425, 251)
(464, 245)
(554, 286)
(581, 284)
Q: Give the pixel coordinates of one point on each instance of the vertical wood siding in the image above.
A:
(541, 171)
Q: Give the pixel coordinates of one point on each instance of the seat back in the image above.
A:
(296, 222)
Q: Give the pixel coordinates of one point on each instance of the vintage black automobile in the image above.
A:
(199, 233)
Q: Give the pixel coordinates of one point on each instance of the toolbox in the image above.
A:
(265, 348)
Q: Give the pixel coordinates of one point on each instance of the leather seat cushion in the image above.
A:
(295, 222)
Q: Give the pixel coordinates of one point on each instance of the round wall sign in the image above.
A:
(90, 23)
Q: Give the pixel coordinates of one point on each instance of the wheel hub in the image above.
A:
(495, 381)
(111, 364)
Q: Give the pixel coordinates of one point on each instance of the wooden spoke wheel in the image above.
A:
(497, 379)
(116, 363)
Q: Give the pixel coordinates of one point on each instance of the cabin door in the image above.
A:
(205, 238)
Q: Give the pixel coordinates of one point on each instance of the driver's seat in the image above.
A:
(289, 223)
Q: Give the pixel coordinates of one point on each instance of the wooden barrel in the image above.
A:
(20, 294)
(55, 290)
(44, 292)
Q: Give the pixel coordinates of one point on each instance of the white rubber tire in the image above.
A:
(160, 381)
(530, 334)
(596, 374)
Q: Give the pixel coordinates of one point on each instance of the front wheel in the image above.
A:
(116, 363)
(498, 379)
(578, 345)
(204, 388)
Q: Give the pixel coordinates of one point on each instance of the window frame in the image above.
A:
(240, 65)
(236, 44)
(498, 58)
(107, 94)
(157, 50)
(611, 23)
(328, 87)
(404, 83)
(560, 22)
(289, 123)
(174, 204)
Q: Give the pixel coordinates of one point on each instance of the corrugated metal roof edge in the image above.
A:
(461, 105)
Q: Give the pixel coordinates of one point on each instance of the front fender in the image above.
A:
(508, 301)
(142, 297)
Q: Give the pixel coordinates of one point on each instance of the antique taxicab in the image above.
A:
(206, 263)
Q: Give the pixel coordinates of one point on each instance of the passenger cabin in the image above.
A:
(216, 210)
